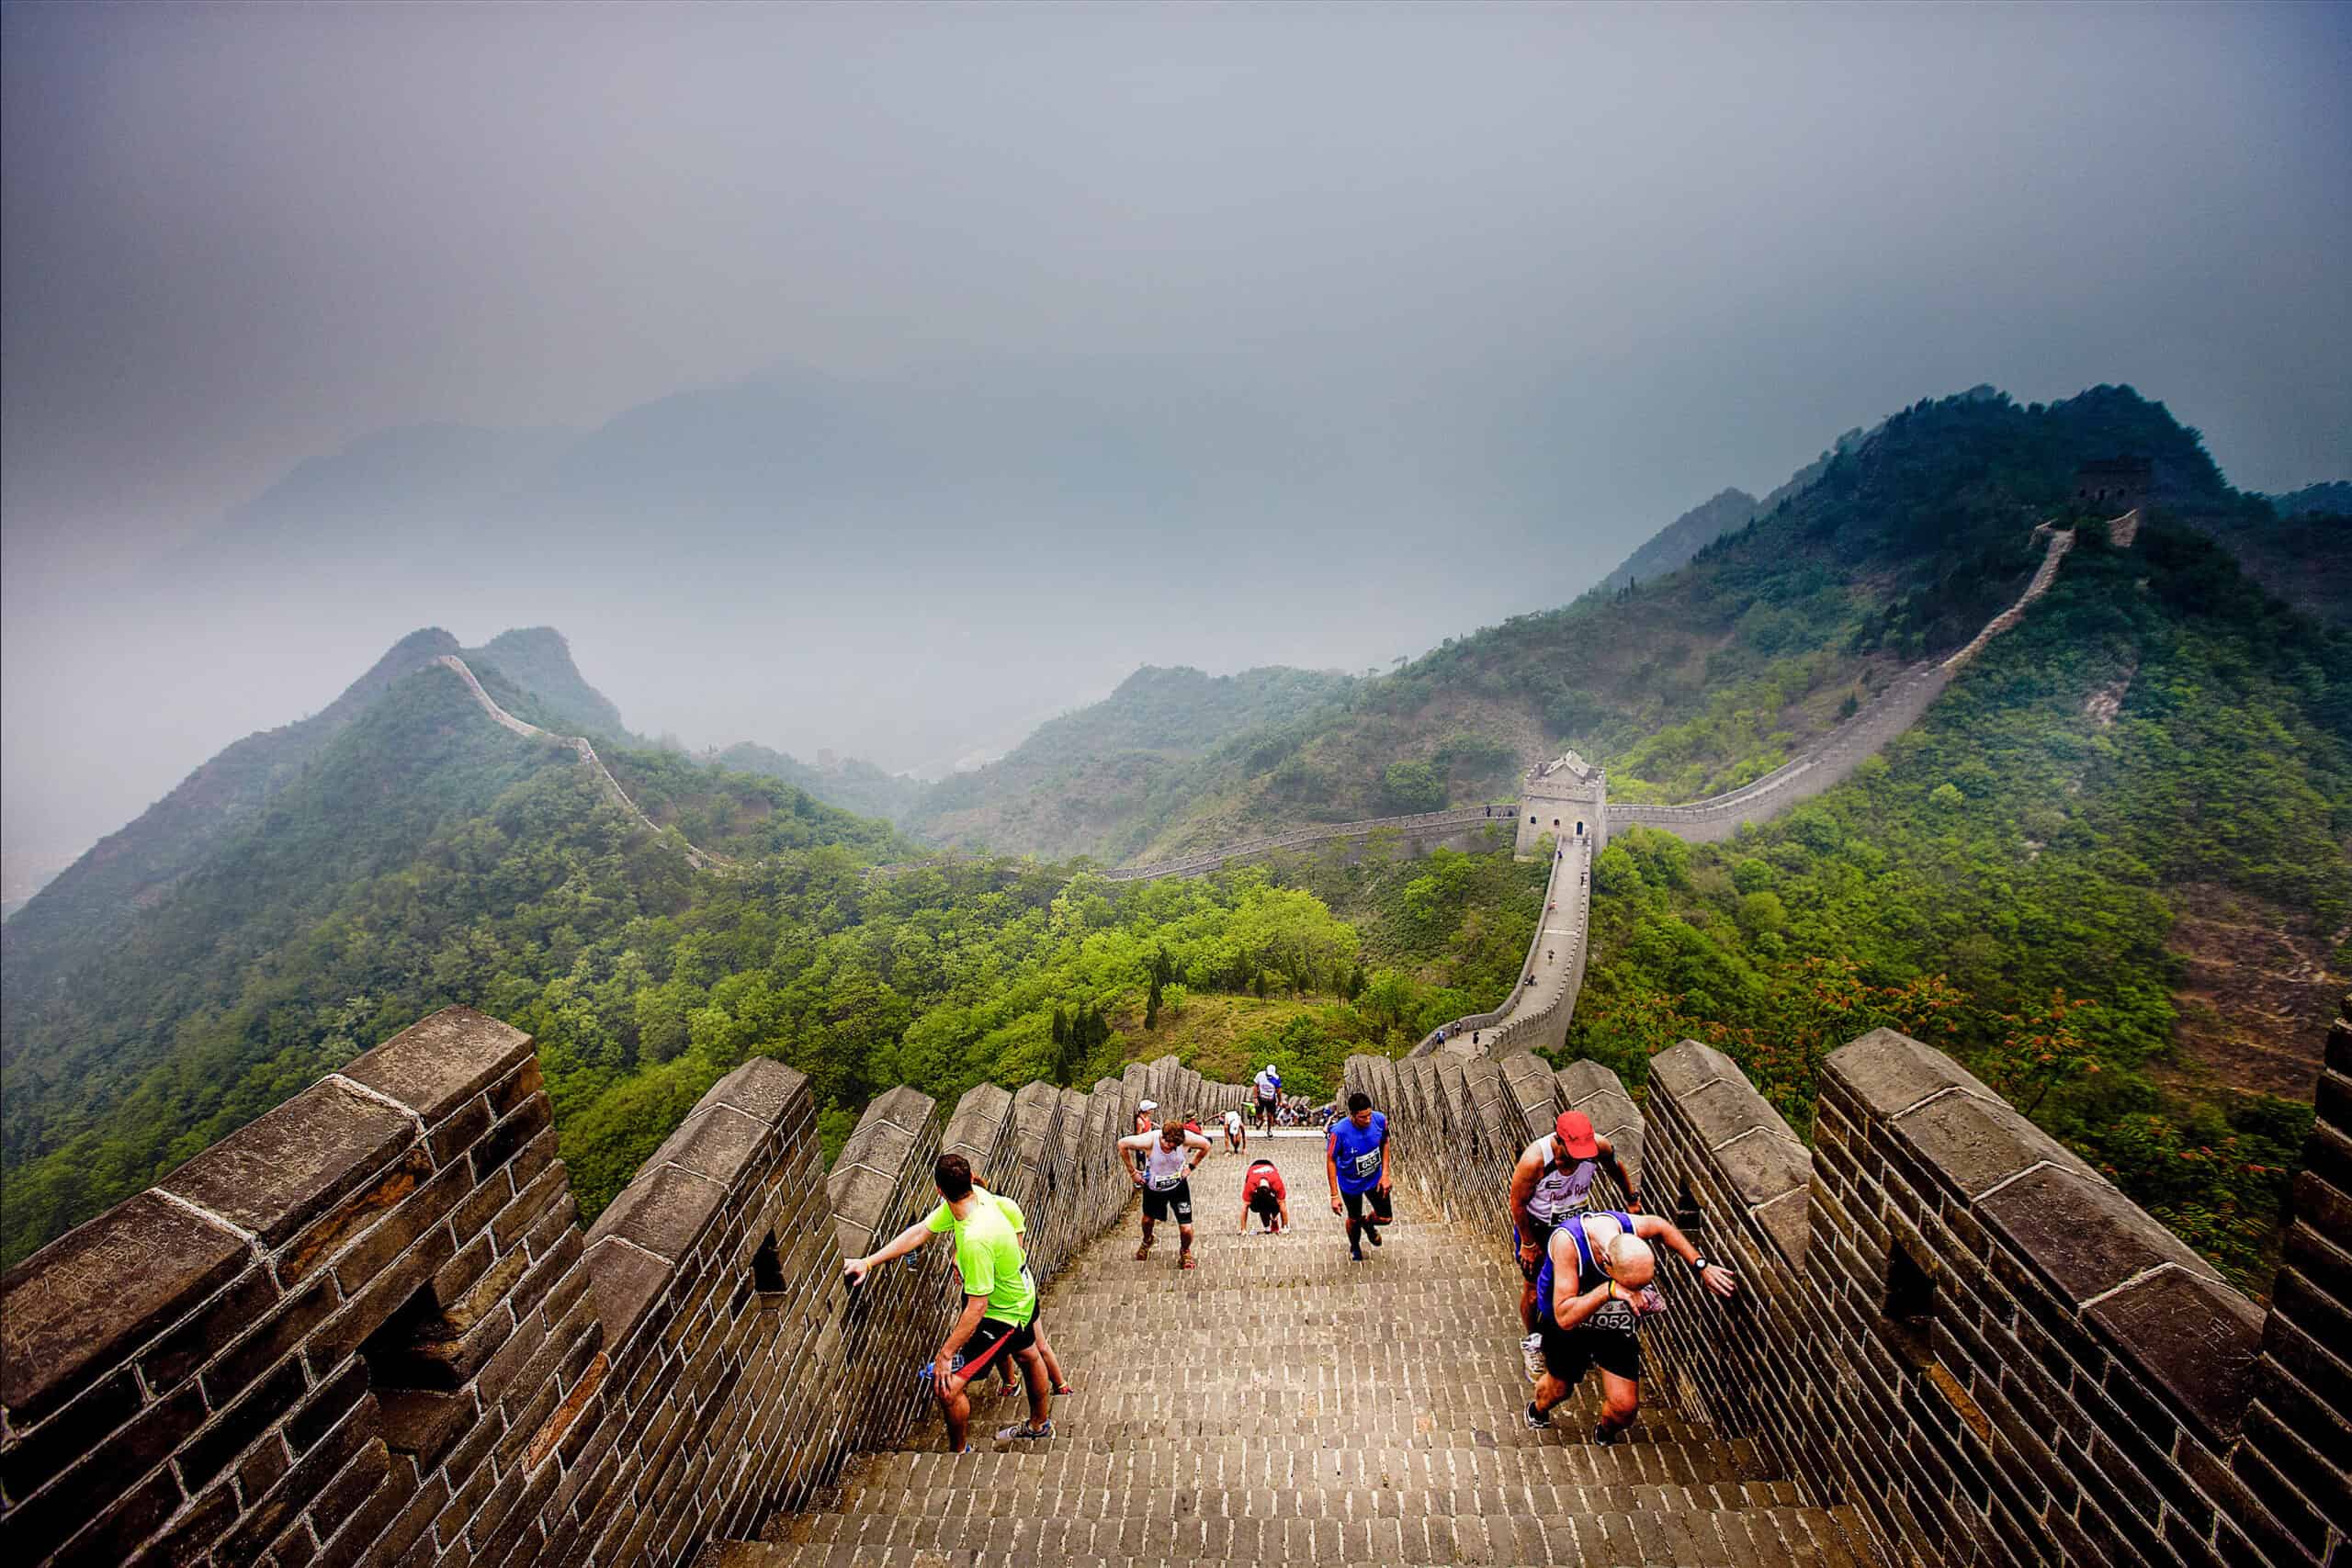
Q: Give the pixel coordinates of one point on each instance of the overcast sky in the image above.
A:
(1407, 320)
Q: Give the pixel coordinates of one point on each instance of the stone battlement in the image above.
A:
(368, 1329)
(1946, 1317)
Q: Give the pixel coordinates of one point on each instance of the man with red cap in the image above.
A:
(1551, 1181)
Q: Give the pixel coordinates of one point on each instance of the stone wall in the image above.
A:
(1469, 829)
(1952, 1320)
(368, 1329)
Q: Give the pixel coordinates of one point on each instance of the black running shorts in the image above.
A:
(1382, 1213)
(1569, 1353)
(1158, 1204)
(993, 1339)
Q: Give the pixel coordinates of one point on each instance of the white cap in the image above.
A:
(1149, 1105)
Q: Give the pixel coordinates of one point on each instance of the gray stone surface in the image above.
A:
(438, 1063)
(663, 1211)
(2192, 1338)
(2080, 1234)
(1889, 1072)
(276, 1175)
(762, 1088)
(1978, 1144)
(717, 1141)
(71, 1312)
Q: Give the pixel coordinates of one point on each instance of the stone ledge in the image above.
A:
(75, 1310)
(1888, 1073)
(438, 1063)
(1972, 1146)
(664, 1211)
(2080, 1236)
(2192, 1339)
(277, 1174)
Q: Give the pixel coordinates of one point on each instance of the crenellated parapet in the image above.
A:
(367, 1327)
(1946, 1318)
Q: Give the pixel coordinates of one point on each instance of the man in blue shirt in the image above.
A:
(1356, 1156)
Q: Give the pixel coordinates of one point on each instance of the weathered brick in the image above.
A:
(70, 1314)
(276, 1175)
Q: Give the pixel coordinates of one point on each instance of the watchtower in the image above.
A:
(2114, 484)
(1566, 797)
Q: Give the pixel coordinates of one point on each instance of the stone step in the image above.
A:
(1510, 1470)
(1747, 1536)
(866, 1503)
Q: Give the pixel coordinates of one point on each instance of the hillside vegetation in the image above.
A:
(2004, 882)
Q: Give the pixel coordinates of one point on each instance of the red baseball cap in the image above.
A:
(1574, 1129)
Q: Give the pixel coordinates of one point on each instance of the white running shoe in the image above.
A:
(1531, 1351)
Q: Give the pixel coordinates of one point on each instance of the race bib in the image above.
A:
(1166, 1183)
(1368, 1164)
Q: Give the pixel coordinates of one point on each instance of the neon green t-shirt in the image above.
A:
(943, 1219)
(988, 1256)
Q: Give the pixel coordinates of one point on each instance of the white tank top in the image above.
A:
(1559, 1192)
(1163, 1166)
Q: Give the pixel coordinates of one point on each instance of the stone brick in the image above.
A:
(68, 1434)
(276, 1175)
(2191, 1337)
(1887, 1073)
(663, 1212)
(2081, 1235)
(241, 1424)
(438, 1063)
(70, 1314)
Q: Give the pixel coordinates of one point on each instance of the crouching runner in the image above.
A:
(1598, 1280)
(1264, 1194)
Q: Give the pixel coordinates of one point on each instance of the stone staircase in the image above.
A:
(1280, 1403)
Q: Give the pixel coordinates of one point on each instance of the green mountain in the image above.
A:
(852, 785)
(1672, 546)
(537, 661)
(2302, 551)
(1904, 543)
(316, 885)
(1085, 782)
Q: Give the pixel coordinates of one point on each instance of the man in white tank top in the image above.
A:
(1162, 1163)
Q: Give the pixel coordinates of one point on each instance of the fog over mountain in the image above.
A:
(887, 380)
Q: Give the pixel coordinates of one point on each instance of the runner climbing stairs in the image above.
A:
(1282, 1404)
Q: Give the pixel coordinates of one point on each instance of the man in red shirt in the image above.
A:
(1262, 1191)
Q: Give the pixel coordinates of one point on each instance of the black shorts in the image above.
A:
(1569, 1353)
(1381, 1213)
(1265, 1107)
(1156, 1203)
(994, 1339)
(1541, 1237)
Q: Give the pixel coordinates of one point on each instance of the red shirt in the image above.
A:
(1262, 1176)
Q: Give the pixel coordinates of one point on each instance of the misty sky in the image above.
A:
(1087, 337)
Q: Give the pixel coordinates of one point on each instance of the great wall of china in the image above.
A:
(368, 1327)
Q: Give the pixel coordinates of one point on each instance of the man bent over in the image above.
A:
(1598, 1281)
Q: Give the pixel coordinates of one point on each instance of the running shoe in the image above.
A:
(1372, 1233)
(1606, 1434)
(1531, 1353)
(1539, 1419)
(1018, 1433)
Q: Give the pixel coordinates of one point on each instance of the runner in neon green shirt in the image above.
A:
(942, 1222)
(999, 1301)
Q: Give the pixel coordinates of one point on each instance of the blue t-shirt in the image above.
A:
(1357, 1152)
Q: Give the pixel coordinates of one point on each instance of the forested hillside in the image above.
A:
(424, 855)
(1900, 543)
(2027, 880)
(417, 843)
(1087, 782)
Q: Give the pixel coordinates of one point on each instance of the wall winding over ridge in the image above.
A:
(701, 860)
(367, 1327)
